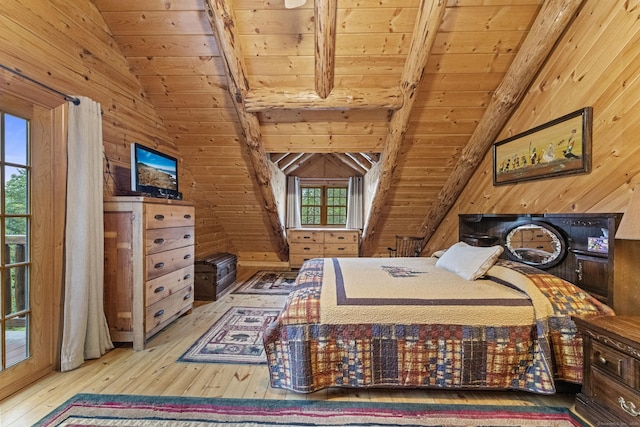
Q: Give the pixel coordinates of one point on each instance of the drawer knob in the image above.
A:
(187, 216)
(159, 241)
(628, 407)
(158, 289)
(186, 297)
(159, 313)
(187, 277)
(602, 359)
(187, 236)
(159, 265)
(159, 217)
(187, 256)
(306, 237)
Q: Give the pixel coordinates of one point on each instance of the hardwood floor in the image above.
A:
(154, 371)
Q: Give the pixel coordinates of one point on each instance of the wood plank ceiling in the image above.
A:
(172, 47)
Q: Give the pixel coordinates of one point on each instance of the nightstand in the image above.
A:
(611, 388)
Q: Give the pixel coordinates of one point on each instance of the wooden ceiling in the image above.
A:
(378, 99)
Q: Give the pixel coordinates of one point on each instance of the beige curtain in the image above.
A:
(355, 202)
(85, 330)
(293, 202)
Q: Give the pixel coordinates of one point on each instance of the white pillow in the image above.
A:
(438, 254)
(469, 262)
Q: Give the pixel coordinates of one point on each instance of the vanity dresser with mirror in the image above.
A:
(576, 247)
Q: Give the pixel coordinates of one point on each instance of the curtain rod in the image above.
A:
(66, 97)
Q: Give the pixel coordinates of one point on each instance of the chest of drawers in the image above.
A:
(610, 391)
(306, 244)
(149, 265)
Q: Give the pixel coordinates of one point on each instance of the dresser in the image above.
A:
(611, 388)
(149, 265)
(311, 243)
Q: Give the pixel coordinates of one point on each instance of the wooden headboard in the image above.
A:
(587, 242)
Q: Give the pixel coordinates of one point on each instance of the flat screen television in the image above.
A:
(154, 173)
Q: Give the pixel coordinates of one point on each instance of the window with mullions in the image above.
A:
(322, 205)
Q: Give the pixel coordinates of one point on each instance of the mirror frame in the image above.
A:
(558, 240)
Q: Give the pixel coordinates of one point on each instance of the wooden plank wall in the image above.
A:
(67, 45)
(602, 71)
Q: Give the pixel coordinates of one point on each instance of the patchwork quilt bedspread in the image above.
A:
(402, 322)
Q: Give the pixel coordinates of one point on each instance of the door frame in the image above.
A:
(48, 132)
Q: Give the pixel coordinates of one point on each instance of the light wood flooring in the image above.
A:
(154, 371)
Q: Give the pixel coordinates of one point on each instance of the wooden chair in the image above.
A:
(406, 246)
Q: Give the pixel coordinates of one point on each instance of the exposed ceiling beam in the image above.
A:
(223, 23)
(552, 20)
(291, 160)
(269, 99)
(360, 160)
(292, 167)
(372, 158)
(277, 157)
(347, 160)
(326, 12)
(428, 21)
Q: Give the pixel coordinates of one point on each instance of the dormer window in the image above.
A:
(323, 205)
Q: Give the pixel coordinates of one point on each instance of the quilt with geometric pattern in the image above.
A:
(402, 322)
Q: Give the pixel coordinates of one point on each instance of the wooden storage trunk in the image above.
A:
(214, 274)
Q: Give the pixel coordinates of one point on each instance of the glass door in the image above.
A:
(14, 240)
(32, 197)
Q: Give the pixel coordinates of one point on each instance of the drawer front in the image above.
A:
(615, 396)
(163, 286)
(164, 309)
(298, 236)
(613, 362)
(307, 249)
(167, 216)
(341, 237)
(166, 262)
(164, 239)
(340, 250)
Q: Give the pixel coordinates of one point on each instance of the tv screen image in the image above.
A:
(153, 172)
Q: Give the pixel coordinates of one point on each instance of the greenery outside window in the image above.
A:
(323, 205)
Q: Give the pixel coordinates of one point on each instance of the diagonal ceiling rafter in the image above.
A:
(552, 20)
(427, 23)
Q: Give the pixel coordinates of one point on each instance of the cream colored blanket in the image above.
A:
(414, 290)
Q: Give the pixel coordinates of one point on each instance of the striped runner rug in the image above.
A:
(164, 411)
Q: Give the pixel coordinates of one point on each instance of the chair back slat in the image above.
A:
(406, 246)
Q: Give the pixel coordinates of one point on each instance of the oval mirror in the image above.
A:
(535, 243)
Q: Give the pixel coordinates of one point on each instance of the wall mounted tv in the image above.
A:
(154, 173)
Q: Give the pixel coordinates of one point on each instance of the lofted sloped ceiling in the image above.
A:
(244, 84)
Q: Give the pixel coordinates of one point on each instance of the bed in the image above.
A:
(419, 322)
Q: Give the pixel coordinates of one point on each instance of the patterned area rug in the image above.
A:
(268, 282)
(235, 338)
(164, 411)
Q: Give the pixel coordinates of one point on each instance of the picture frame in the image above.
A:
(556, 148)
